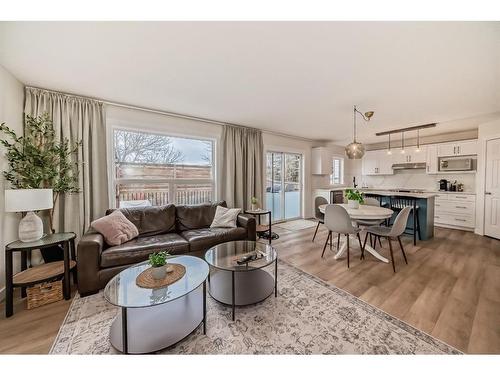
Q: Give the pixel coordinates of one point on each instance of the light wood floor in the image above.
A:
(450, 289)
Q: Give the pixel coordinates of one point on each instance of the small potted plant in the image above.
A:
(158, 262)
(255, 204)
(354, 198)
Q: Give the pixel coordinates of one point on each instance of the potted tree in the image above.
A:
(354, 198)
(158, 262)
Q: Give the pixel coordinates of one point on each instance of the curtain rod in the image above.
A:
(170, 114)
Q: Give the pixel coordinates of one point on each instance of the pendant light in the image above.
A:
(355, 149)
(402, 142)
(389, 152)
(418, 141)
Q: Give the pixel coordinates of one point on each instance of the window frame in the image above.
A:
(342, 170)
(172, 182)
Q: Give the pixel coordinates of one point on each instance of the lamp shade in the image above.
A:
(355, 150)
(25, 200)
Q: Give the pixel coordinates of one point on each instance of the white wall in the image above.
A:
(486, 131)
(11, 112)
(137, 119)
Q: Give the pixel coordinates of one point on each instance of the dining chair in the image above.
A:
(371, 201)
(320, 216)
(337, 220)
(392, 232)
(397, 203)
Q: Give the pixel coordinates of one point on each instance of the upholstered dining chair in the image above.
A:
(337, 220)
(318, 201)
(393, 232)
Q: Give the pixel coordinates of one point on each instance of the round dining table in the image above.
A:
(364, 212)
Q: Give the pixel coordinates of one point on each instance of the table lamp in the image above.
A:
(29, 200)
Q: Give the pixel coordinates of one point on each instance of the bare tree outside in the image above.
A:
(135, 147)
(207, 155)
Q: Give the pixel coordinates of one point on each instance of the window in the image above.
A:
(154, 169)
(337, 176)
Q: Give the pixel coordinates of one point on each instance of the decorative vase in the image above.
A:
(254, 207)
(352, 204)
(159, 273)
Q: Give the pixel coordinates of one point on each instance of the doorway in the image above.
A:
(492, 189)
(284, 185)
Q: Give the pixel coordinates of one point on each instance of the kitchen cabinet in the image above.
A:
(377, 163)
(457, 148)
(411, 155)
(455, 210)
(432, 159)
(321, 161)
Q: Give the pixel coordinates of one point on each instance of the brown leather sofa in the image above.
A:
(176, 229)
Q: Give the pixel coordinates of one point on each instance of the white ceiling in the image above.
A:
(299, 78)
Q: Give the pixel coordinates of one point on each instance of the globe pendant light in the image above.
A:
(356, 150)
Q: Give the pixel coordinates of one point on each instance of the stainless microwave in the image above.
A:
(455, 164)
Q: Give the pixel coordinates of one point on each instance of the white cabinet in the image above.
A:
(377, 163)
(455, 210)
(321, 161)
(432, 159)
(457, 148)
(411, 155)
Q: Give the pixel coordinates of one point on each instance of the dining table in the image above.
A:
(363, 212)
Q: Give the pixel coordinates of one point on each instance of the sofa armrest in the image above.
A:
(248, 222)
(88, 258)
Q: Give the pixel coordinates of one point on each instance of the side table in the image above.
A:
(41, 273)
(264, 231)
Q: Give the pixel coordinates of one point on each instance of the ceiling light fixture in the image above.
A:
(389, 152)
(356, 150)
(402, 142)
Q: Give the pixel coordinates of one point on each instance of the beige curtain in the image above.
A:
(242, 166)
(77, 119)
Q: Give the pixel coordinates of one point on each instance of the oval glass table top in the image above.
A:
(123, 291)
(225, 255)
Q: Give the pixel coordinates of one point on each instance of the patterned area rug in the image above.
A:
(308, 317)
(297, 224)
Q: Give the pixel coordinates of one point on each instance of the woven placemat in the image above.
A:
(145, 278)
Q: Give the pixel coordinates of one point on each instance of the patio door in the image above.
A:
(284, 185)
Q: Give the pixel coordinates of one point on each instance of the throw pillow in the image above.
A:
(115, 228)
(225, 217)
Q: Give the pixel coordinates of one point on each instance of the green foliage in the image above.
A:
(354, 195)
(254, 200)
(158, 259)
(38, 159)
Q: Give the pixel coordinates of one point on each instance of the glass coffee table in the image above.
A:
(154, 319)
(236, 284)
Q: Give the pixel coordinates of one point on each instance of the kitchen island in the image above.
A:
(424, 201)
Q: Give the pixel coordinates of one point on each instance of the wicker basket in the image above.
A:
(42, 294)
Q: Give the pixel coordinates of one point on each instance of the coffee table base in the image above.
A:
(149, 329)
(249, 287)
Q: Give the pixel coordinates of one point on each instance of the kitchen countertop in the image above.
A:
(387, 192)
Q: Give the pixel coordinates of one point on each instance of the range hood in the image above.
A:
(409, 166)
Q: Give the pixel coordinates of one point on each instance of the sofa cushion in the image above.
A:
(150, 220)
(139, 249)
(196, 216)
(205, 238)
(115, 228)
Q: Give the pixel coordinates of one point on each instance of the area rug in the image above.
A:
(308, 317)
(297, 224)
